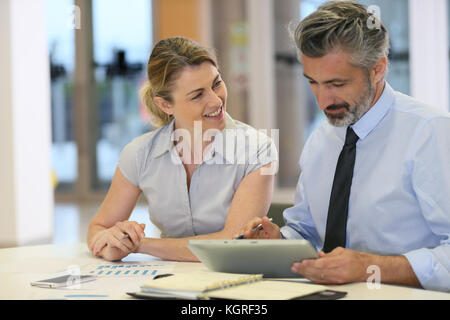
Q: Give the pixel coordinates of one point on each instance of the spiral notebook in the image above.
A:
(219, 285)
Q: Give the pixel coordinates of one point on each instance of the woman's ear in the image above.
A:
(164, 105)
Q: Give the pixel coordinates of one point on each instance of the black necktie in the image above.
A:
(337, 212)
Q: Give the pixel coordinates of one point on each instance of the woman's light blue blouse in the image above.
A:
(151, 163)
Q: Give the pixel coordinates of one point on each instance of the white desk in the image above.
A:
(19, 266)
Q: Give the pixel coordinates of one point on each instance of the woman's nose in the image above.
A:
(214, 99)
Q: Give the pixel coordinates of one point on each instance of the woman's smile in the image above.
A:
(215, 115)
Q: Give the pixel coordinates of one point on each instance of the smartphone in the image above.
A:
(62, 281)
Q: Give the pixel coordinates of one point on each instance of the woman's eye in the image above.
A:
(197, 96)
(218, 83)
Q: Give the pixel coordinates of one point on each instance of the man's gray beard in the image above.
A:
(354, 113)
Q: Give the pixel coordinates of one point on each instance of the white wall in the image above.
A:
(261, 64)
(26, 195)
(428, 22)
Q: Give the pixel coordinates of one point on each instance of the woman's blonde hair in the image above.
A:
(168, 58)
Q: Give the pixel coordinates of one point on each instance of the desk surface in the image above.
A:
(19, 266)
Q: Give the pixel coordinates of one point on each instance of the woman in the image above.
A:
(194, 187)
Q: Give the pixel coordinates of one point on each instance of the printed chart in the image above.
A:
(129, 269)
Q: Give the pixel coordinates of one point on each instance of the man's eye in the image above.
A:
(338, 85)
(217, 84)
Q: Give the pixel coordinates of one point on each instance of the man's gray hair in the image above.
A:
(345, 25)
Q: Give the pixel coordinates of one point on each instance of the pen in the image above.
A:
(257, 228)
(159, 276)
(126, 236)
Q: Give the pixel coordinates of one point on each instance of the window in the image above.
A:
(395, 16)
(122, 41)
(61, 40)
(122, 45)
(314, 114)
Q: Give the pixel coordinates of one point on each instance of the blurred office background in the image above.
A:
(71, 70)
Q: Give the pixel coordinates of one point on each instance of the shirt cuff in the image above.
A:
(289, 233)
(431, 274)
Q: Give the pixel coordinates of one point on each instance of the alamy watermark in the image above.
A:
(74, 19)
(374, 21)
(73, 281)
(237, 146)
(374, 280)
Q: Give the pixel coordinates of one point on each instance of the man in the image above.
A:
(375, 183)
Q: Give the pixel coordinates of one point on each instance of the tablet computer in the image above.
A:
(272, 258)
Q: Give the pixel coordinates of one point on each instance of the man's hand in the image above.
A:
(269, 230)
(346, 266)
(337, 267)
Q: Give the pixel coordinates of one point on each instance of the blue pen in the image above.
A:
(257, 228)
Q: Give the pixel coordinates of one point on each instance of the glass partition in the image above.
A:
(395, 16)
(122, 45)
(60, 21)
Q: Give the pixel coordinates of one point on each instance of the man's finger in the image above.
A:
(250, 226)
(269, 229)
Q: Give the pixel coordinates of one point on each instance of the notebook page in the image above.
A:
(266, 290)
(197, 281)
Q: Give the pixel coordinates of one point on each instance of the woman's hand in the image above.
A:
(112, 254)
(118, 241)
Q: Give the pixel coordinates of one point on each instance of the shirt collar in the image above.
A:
(164, 142)
(375, 114)
(219, 143)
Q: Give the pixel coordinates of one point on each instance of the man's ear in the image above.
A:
(379, 69)
(163, 104)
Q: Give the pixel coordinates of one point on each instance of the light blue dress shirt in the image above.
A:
(400, 196)
(152, 163)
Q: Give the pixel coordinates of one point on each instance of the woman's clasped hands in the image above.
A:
(118, 241)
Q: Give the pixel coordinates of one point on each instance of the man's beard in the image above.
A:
(352, 114)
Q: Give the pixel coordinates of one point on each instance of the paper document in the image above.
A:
(132, 269)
